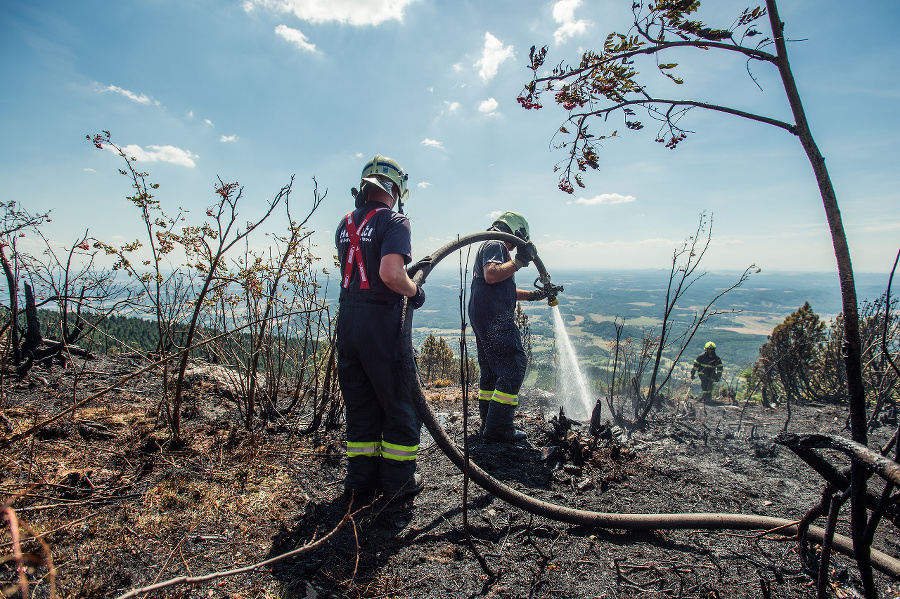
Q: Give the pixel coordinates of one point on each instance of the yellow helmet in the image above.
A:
(709, 345)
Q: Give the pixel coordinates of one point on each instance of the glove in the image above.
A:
(524, 255)
(425, 264)
(418, 299)
(537, 294)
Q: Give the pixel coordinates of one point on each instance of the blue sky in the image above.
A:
(255, 91)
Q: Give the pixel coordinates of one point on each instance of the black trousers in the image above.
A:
(383, 428)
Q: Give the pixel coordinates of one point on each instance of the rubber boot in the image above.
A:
(483, 407)
(411, 488)
(399, 479)
(499, 426)
(361, 482)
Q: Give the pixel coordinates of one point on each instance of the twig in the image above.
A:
(50, 532)
(172, 554)
(311, 546)
(17, 550)
(94, 500)
(825, 560)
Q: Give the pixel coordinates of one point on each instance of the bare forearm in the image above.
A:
(393, 273)
(495, 272)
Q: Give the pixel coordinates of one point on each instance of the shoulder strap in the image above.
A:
(354, 253)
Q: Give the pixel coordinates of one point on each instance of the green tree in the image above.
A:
(794, 352)
(429, 357)
(437, 359)
(605, 83)
(446, 360)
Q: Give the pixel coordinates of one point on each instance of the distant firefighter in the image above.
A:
(709, 366)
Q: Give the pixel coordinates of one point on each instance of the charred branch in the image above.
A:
(885, 467)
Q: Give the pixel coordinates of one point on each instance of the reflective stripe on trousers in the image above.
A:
(508, 399)
(401, 453)
(363, 448)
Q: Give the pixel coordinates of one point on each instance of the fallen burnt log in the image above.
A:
(885, 467)
(838, 478)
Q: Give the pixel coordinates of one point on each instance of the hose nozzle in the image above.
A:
(550, 290)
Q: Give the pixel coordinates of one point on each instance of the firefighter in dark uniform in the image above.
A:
(492, 306)
(374, 247)
(709, 366)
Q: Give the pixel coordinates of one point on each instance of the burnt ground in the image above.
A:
(117, 510)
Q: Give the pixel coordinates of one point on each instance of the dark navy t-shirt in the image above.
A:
(492, 302)
(387, 232)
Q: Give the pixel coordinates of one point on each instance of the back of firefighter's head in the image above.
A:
(512, 223)
(385, 174)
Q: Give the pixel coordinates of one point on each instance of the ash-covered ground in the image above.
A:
(116, 509)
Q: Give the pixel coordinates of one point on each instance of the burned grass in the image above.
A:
(100, 492)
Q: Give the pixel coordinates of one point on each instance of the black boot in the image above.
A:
(483, 406)
(506, 435)
(500, 426)
(413, 487)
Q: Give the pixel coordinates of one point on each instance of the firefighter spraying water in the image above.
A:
(502, 359)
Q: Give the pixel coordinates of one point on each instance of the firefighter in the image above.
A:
(374, 247)
(709, 366)
(492, 305)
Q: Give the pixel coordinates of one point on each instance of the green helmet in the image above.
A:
(516, 224)
(386, 174)
(709, 345)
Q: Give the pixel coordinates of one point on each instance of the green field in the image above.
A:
(594, 300)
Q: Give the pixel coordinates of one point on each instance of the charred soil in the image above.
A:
(101, 495)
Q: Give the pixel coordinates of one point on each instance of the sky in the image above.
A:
(258, 91)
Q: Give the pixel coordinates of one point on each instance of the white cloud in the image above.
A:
(296, 37)
(424, 185)
(569, 26)
(89, 170)
(493, 215)
(604, 198)
(493, 55)
(451, 106)
(458, 68)
(159, 154)
(139, 98)
(488, 106)
(190, 114)
(208, 122)
(349, 12)
(228, 139)
(433, 143)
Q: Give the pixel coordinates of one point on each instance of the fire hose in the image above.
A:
(603, 520)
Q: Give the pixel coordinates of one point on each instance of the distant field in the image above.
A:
(594, 300)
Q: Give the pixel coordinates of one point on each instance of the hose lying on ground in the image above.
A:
(706, 521)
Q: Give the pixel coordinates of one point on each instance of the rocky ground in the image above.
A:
(100, 496)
